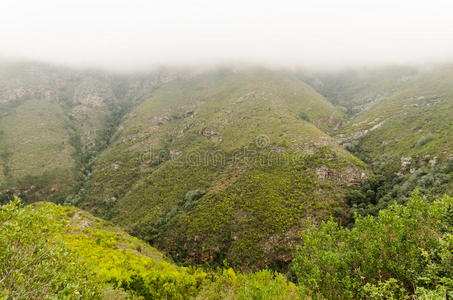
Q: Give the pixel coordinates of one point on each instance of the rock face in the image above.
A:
(348, 140)
(211, 135)
(406, 162)
(245, 97)
(347, 176)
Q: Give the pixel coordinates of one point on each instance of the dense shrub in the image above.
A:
(303, 115)
(49, 251)
(260, 285)
(404, 250)
(424, 140)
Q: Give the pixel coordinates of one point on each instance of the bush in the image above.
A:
(424, 140)
(401, 250)
(260, 285)
(303, 115)
(191, 198)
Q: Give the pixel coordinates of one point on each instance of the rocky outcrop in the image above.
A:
(245, 97)
(346, 140)
(348, 176)
(211, 135)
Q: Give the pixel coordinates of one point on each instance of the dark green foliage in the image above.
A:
(6, 197)
(379, 191)
(303, 115)
(190, 199)
(404, 250)
(424, 140)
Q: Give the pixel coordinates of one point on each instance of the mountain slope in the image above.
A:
(54, 120)
(224, 165)
(408, 136)
(356, 90)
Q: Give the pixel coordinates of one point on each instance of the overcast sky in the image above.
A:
(139, 34)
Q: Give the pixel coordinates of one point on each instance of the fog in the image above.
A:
(136, 35)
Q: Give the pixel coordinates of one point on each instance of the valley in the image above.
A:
(211, 180)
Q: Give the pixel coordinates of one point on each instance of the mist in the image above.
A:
(138, 35)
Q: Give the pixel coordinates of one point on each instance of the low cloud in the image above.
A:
(136, 35)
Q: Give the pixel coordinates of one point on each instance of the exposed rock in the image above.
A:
(433, 161)
(211, 135)
(174, 153)
(115, 166)
(331, 117)
(349, 177)
(323, 173)
(343, 140)
(377, 126)
(338, 125)
(245, 97)
(405, 162)
(189, 113)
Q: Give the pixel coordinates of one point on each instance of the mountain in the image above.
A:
(406, 135)
(54, 120)
(356, 90)
(224, 165)
(246, 168)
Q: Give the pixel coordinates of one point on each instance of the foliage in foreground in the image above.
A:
(49, 251)
(34, 263)
(405, 250)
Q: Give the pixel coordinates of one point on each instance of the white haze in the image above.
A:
(133, 35)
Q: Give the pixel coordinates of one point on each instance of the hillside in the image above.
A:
(226, 171)
(224, 165)
(356, 90)
(54, 120)
(65, 253)
(57, 252)
(408, 136)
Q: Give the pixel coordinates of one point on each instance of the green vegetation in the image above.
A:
(303, 115)
(34, 262)
(54, 121)
(50, 251)
(404, 251)
(240, 168)
(377, 192)
(407, 139)
(234, 135)
(357, 90)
